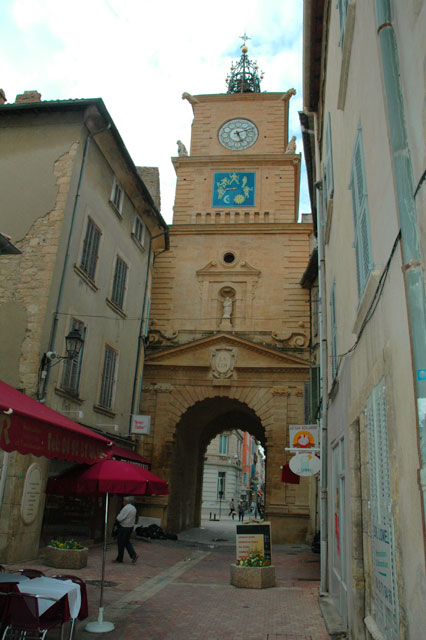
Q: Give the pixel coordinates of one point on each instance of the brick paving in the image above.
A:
(179, 590)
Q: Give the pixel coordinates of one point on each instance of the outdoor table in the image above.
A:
(7, 576)
(58, 589)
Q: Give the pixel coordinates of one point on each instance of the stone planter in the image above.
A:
(252, 577)
(66, 558)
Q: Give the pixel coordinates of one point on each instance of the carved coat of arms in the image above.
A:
(222, 361)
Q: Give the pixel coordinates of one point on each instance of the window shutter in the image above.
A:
(329, 159)
(361, 216)
(333, 330)
(385, 589)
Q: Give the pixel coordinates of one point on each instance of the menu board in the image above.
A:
(254, 538)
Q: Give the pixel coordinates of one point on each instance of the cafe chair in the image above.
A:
(24, 620)
(30, 573)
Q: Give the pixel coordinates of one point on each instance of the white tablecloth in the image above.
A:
(56, 589)
(7, 576)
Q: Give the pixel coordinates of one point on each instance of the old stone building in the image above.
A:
(84, 223)
(229, 332)
(364, 136)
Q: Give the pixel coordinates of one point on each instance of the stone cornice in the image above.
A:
(266, 228)
(235, 161)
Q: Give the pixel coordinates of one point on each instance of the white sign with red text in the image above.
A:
(141, 425)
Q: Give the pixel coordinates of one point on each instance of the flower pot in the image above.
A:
(66, 558)
(252, 577)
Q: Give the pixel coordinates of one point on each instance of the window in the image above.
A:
(119, 283)
(221, 476)
(343, 10)
(333, 330)
(382, 535)
(328, 178)
(117, 196)
(223, 445)
(361, 215)
(315, 312)
(108, 378)
(313, 395)
(89, 256)
(72, 368)
(139, 231)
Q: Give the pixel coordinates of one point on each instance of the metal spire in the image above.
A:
(244, 77)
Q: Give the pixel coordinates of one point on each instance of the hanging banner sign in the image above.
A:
(303, 436)
(141, 425)
(305, 464)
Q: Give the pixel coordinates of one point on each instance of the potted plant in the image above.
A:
(68, 554)
(253, 572)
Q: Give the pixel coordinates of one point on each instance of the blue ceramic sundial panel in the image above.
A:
(234, 189)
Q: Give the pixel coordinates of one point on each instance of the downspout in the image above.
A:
(322, 326)
(67, 253)
(408, 218)
(138, 388)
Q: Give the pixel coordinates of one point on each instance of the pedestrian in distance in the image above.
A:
(126, 520)
(232, 510)
(241, 510)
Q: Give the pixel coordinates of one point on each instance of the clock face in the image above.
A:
(238, 134)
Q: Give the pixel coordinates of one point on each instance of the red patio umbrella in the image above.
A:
(103, 478)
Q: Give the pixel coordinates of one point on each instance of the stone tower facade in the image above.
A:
(229, 332)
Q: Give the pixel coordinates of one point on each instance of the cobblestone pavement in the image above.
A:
(180, 590)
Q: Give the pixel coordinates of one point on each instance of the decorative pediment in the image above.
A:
(215, 268)
(242, 354)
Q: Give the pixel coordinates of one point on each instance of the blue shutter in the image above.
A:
(333, 330)
(329, 160)
(381, 530)
(361, 215)
(343, 9)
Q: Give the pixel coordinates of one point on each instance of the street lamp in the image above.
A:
(73, 344)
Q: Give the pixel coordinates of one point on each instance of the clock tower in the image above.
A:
(229, 332)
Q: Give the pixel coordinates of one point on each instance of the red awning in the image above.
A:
(29, 427)
(121, 453)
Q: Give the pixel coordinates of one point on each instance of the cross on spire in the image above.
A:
(245, 37)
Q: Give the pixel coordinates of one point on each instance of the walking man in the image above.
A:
(126, 519)
(241, 510)
(232, 510)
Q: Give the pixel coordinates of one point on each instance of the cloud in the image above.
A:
(139, 57)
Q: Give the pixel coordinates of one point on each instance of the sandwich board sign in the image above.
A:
(254, 538)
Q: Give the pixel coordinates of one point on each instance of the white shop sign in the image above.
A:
(141, 425)
(303, 436)
(305, 464)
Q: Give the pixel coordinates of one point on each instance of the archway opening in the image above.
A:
(200, 424)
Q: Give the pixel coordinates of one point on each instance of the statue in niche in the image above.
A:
(227, 308)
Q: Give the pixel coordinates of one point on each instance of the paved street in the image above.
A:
(179, 590)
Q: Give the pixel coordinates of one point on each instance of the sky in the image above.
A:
(139, 56)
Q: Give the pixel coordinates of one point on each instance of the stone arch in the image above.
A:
(191, 427)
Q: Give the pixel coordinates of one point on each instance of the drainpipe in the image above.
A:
(322, 326)
(137, 387)
(67, 253)
(3, 476)
(408, 218)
